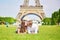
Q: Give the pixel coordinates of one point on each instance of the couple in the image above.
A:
(30, 27)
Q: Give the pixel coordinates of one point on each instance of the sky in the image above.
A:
(10, 8)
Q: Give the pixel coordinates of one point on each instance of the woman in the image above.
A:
(32, 27)
(23, 26)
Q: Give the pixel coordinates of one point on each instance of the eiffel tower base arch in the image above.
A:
(24, 11)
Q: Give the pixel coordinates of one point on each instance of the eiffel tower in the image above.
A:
(25, 9)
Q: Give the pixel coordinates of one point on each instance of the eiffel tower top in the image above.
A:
(26, 4)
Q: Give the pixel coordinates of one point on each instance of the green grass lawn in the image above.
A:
(45, 33)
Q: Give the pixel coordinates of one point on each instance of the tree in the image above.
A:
(47, 21)
(59, 17)
(56, 17)
(10, 20)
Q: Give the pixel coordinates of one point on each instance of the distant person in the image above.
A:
(6, 24)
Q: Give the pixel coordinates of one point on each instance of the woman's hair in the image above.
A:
(23, 26)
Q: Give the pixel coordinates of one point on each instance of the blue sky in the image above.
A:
(11, 8)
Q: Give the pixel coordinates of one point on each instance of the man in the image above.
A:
(32, 27)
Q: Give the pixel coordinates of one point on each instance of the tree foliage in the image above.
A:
(54, 20)
(56, 17)
(47, 21)
(10, 20)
